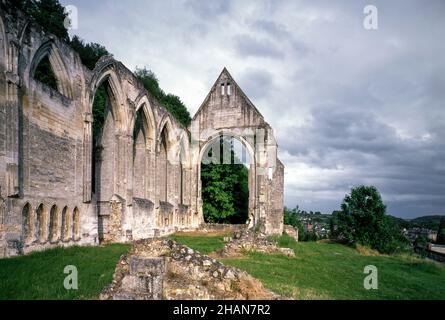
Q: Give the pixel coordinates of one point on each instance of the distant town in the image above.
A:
(421, 231)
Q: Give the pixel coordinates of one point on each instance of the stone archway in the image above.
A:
(227, 110)
(213, 142)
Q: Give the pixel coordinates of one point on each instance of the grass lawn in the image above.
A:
(40, 275)
(334, 271)
(202, 243)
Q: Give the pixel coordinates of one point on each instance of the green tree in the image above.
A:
(45, 74)
(225, 189)
(441, 233)
(363, 220)
(89, 53)
(293, 218)
(171, 102)
(49, 14)
(224, 193)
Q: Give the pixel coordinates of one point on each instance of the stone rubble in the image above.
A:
(247, 241)
(165, 269)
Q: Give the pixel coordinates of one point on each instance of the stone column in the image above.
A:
(12, 111)
(87, 156)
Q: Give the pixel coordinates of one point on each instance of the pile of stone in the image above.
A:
(248, 241)
(164, 269)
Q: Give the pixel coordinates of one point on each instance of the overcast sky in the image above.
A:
(349, 106)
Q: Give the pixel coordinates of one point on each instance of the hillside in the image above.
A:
(322, 270)
(429, 222)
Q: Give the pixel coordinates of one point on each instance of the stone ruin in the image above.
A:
(146, 183)
(158, 269)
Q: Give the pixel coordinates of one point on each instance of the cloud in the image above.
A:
(246, 46)
(209, 9)
(256, 83)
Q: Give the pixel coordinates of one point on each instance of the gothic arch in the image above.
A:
(143, 130)
(164, 159)
(66, 225)
(60, 70)
(3, 44)
(41, 223)
(184, 149)
(106, 70)
(166, 127)
(112, 137)
(54, 224)
(143, 105)
(28, 225)
(252, 181)
(184, 168)
(76, 224)
(227, 133)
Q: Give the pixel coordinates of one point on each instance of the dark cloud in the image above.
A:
(271, 28)
(208, 9)
(256, 83)
(404, 169)
(246, 46)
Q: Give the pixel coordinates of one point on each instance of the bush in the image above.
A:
(291, 217)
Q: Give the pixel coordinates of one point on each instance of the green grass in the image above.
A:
(334, 271)
(319, 271)
(40, 275)
(203, 244)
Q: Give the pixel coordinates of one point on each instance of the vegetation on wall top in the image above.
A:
(171, 102)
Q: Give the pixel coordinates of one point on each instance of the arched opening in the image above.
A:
(183, 164)
(76, 224)
(41, 220)
(180, 184)
(54, 226)
(224, 172)
(66, 224)
(163, 165)
(104, 135)
(44, 73)
(27, 224)
(3, 51)
(48, 67)
(142, 156)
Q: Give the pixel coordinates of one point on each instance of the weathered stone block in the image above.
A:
(140, 266)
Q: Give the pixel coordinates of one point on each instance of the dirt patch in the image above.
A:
(366, 251)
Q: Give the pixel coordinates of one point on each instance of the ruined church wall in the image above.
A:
(45, 145)
(44, 133)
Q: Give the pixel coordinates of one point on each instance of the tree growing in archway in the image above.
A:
(225, 189)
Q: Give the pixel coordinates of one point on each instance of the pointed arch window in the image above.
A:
(44, 73)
